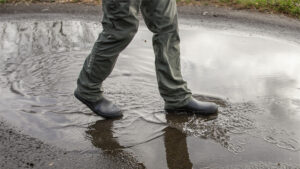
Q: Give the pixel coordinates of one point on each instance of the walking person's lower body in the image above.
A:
(120, 24)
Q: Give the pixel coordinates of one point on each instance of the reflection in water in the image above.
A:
(177, 156)
(101, 136)
(258, 76)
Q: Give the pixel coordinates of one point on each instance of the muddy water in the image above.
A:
(254, 79)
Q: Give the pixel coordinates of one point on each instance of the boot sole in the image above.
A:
(109, 116)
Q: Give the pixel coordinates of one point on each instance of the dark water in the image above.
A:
(254, 79)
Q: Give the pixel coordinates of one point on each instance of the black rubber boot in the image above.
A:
(197, 107)
(103, 107)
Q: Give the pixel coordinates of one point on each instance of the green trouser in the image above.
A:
(120, 23)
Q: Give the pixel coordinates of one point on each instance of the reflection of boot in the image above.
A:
(176, 149)
(197, 107)
(102, 136)
(103, 107)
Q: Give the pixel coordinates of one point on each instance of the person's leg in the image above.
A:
(161, 18)
(120, 24)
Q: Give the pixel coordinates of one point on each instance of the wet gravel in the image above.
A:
(22, 151)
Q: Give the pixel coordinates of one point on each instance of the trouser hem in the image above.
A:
(88, 96)
(174, 105)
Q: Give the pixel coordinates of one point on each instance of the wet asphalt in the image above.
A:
(245, 62)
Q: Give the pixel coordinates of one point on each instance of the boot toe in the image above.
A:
(107, 109)
(212, 108)
(203, 108)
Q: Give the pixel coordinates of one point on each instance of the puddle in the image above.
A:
(254, 79)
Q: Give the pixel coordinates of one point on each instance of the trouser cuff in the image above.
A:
(173, 105)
